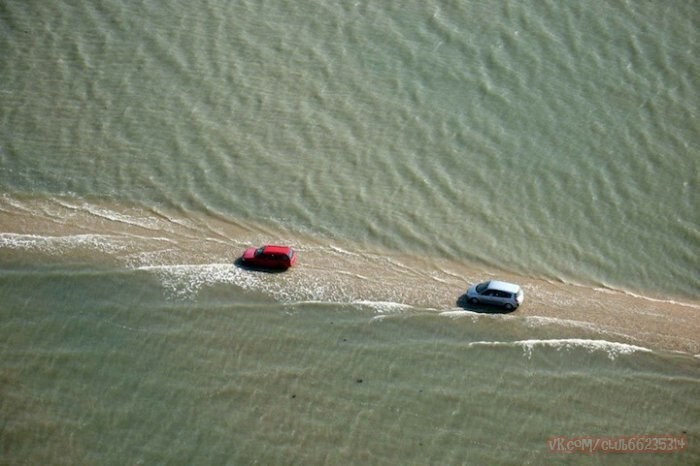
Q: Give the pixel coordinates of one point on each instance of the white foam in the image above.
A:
(146, 258)
(184, 281)
(434, 276)
(340, 250)
(352, 275)
(613, 291)
(610, 290)
(144, 221)
(458, 313)
(541, 321)
(663, 301)
(59, 244)
(384, 306)
(613, 349)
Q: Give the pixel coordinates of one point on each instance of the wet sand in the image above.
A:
(33, 233)
(648, 322)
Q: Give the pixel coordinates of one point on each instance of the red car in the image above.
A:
(269, 257)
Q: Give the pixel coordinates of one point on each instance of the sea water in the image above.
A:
(405, 151)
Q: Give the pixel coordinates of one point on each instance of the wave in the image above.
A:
(60, 244)
(383, 306)
(476, 315)
(186, 281)
(142, 220)
(190, 252)
(613, 291)
(542, 321)
(613, 349)
(658, 300)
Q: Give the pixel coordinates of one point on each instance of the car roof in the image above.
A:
(503, 286)
(273, 249)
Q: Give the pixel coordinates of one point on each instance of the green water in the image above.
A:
(131, 379)
(405, 151)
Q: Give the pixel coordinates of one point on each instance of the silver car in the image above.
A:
(495, 292)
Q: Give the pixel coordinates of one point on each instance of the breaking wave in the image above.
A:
(613, 349)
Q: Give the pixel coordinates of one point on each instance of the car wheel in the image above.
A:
(473, 301)
(509, 307)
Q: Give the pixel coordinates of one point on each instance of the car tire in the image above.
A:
(509, 307)
(473, 301)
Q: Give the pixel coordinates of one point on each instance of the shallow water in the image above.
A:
(405, 152)
(235, 377)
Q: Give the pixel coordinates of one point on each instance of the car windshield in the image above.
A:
(481, 287)
(258, 251)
